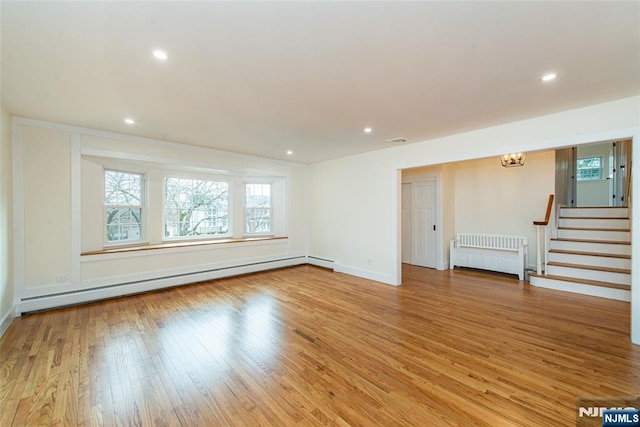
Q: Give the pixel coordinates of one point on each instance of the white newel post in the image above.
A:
(539, 252)
(546, 245)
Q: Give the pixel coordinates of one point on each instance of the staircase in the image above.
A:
(591, 255)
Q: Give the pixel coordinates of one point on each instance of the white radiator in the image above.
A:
(496, 252)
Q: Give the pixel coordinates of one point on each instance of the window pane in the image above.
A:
(123, 206)
(122, 188)
(258, 208)
(258, 220)
(591, 162)
(195, 207)
(258, 195)
(589, 168)
(124, 224)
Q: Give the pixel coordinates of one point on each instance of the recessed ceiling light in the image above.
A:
(368, 130)
(160, 54)
(289, 152)
(129, 121)
(549, 77)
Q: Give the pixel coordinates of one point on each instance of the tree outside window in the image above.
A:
(258, 208)
(194, 207)
(123, 204)
(589, 168)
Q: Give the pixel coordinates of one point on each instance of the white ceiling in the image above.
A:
(266, 77)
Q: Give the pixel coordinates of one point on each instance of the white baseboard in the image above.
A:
(87, 294)
(387, 279)
(320, 262)
(340, 268)
(6, 321)
(578, 288)
(113, 287)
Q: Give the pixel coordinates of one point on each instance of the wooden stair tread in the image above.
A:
(615, 242)
(601, 254)
(594, 229)
(594, 207)
(591, 267)
(594, 217)
(582, 281)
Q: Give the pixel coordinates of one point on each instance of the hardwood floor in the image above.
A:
(306, 346)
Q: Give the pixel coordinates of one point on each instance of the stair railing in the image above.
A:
(627, 187)
(541, 226)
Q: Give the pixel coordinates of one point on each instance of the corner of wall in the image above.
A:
(6, 322)
(7, 308)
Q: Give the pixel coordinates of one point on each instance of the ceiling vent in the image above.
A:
(398, 140)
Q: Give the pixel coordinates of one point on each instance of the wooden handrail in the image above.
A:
(540, 243)
(546, 218)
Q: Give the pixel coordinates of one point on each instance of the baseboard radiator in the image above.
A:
(114, 290)
(495, 252)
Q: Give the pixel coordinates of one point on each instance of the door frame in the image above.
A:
(566, 185)
(437, 178)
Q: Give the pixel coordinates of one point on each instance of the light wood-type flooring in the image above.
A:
(306, 346)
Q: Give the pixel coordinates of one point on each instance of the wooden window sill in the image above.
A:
(174, 245)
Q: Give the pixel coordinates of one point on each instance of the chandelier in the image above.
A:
(511, 160)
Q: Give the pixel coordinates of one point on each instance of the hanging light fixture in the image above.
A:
(513, 159)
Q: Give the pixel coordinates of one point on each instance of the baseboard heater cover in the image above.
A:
(321, 262)
(34, 299)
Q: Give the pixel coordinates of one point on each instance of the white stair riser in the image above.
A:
(616, 223)
(607, 248)
(615, 236)
(601, 276)
(595, 212)
(579, 288)
(599, 261)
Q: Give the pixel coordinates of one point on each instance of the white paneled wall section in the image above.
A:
(59, 215)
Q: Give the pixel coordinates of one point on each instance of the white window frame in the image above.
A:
(142, 207)
(197, 177)
(246, 208)
(601, 168)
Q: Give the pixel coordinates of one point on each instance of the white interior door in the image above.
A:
(423, 246)
(566, 190)
(611, 174)
(621, 173)
(406, 223)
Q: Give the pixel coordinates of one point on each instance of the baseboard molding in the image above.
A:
(387, 279)
(6, 321)
(320, 262)
(90, 291)
(578, 288)
(61, 299)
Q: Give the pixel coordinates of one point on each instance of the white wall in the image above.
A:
(498, 200)
(6, 247)
(353, 215)
(47, 209)
(60, 203)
